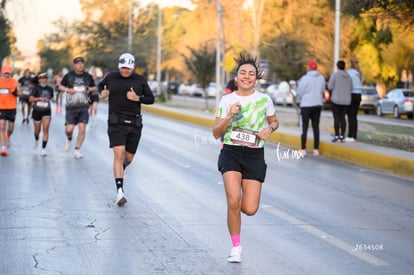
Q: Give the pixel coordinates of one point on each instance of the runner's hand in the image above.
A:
(131, 95)
(104, 92)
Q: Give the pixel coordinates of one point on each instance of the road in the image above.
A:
(317, 216)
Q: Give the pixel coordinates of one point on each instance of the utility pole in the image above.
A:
(130, 27)
(159, 53)
(337, 32)
(218, 51)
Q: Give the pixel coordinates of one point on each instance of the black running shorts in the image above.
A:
(77, 115)
(93, 98)
(37, 115)
(248, 161)
(124, 135)
(9, 115)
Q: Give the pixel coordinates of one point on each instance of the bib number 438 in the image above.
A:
(244, 137)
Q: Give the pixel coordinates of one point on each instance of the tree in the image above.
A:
(286, 55)
(5, 29)
(201, 63)
(400, 10)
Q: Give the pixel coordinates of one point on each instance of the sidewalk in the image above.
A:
(397, 162)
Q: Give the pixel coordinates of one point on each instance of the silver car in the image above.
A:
(397, 102)
(369, 99)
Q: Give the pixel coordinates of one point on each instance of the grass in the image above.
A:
(391, 136)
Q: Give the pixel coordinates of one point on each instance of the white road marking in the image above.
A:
(326, 237)
(170, 159)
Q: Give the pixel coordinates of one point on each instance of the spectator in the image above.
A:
(340, 85)
(352, 112)
(310, 92)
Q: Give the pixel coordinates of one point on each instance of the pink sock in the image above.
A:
(235, 239)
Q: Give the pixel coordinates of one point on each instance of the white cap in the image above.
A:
(126, 60)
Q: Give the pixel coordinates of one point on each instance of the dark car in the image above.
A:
(172, 87)
(369, 99)
(397, 102)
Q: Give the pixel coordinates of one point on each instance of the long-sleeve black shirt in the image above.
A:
(118, 87)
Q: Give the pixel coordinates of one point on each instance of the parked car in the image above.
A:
(172, 87)
(397, 102)
(195, 90)
(271, 90)
(263, 87)
(285, 94)
(212, 89)
(369, 99)
(184, 89)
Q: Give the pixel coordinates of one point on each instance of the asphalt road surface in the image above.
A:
(317, 216)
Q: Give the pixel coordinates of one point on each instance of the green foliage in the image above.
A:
(201, 63)
(4, 36)
(286, 55)
(54, 59)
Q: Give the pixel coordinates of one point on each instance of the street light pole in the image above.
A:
(159, 52)
(337, 32)
(130, 27)
(218, 53)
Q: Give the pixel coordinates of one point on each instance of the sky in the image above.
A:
(33, 19)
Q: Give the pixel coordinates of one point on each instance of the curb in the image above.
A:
(390, 164)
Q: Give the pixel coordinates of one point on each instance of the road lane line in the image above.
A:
(170, 159)
(326, 237)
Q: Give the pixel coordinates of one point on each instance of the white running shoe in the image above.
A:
(349, 139)
(120, 198)
(315, 152)
(43, 152)
(67, 145)
(235, 255)
(35, 144)
(77, 154)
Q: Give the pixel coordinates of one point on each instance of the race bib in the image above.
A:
(4, 91)
(25, 91)
(79, 89)
(42, 104)
(244, 137)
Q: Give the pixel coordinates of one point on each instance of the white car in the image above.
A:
(184, 89)
(283, 96)
(195, 90)
(212, 89)
(272, 90)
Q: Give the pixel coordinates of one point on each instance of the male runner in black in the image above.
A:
(126, 90)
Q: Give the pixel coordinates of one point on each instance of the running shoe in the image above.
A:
(67, 145)
(235, 255)
(336, 139)
(3, 151)
(120, 198)
(43, 152)
(315, 152)
(77, 154)
(35, 144)
(341, 139)
(302, 152)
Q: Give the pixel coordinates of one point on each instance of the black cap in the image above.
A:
(78, 59)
